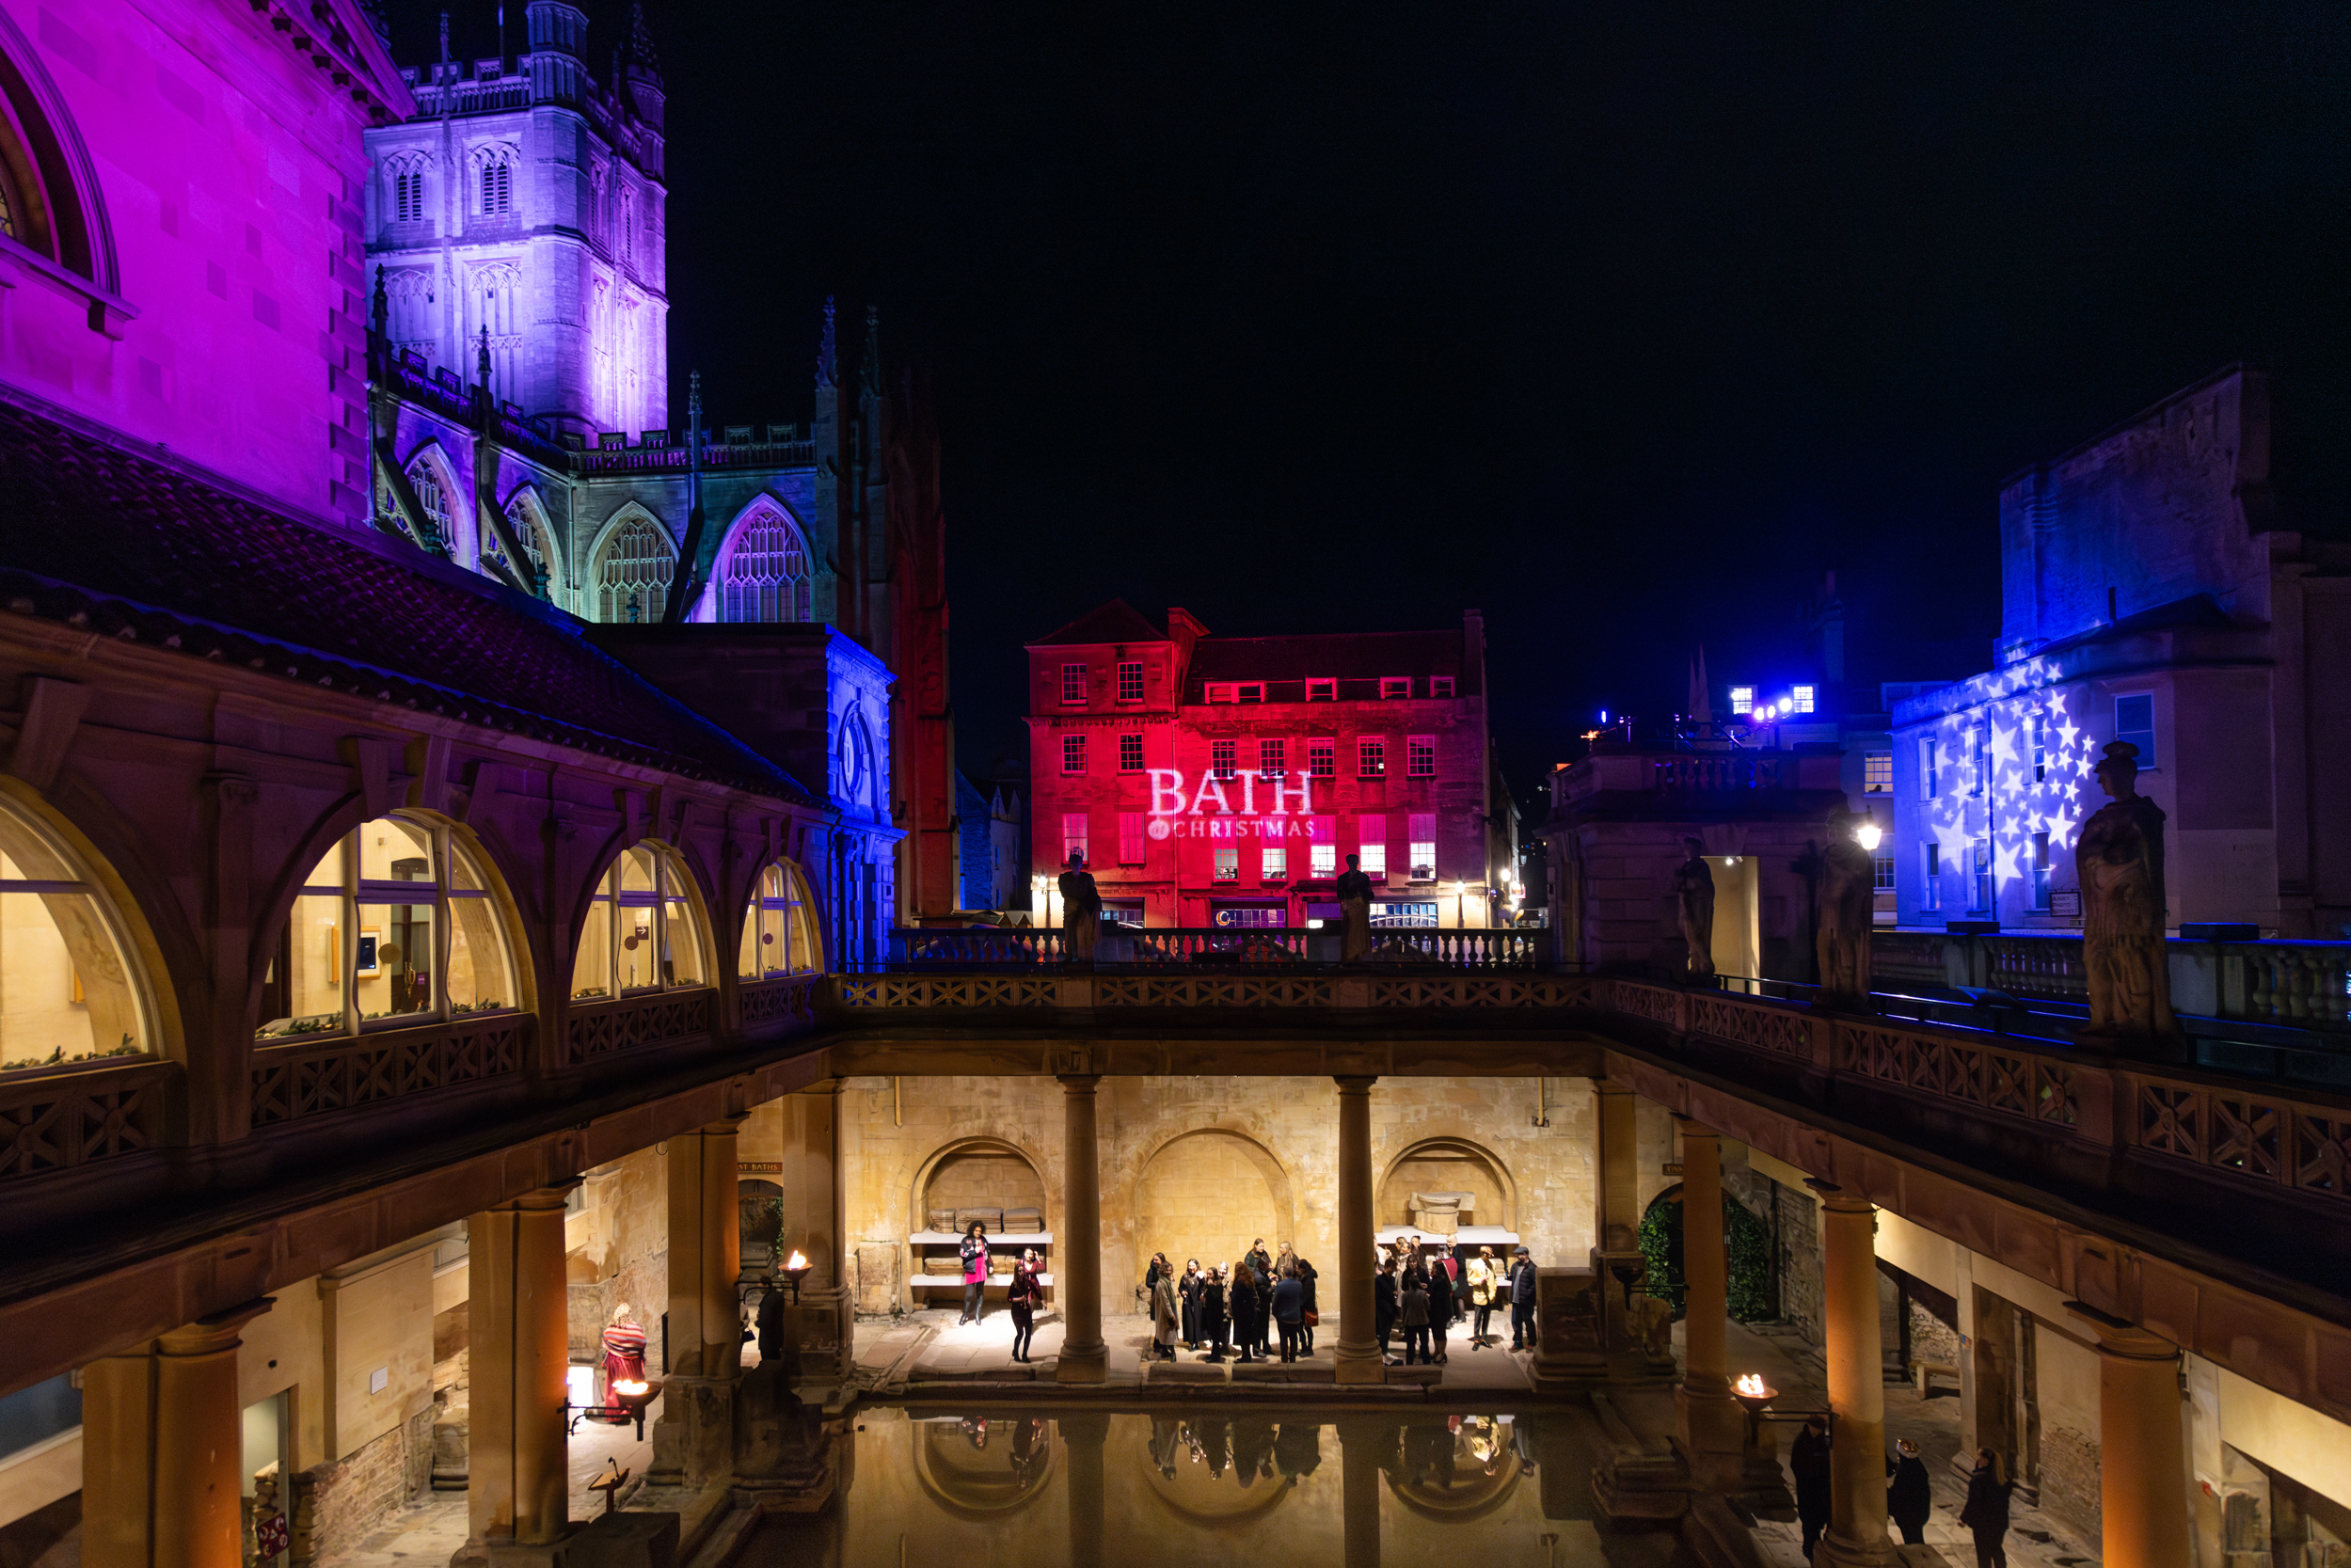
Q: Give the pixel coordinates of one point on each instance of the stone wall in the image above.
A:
(1930, 1338)
(617, 1250)
(1199, 1166)
(336, 1505)
(1802, 1290)
(2069, 1479)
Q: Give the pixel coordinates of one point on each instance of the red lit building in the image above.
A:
(1223, 781)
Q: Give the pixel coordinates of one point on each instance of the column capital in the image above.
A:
(539, 1200)
(724, 1127)
(212, 1332)
(2121, 1338)
(1690, 1127)
(823, 1086)
(1355, 1083)
(1079, 1083)
(1840, 1200)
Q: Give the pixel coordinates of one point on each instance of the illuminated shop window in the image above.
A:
(1876, 773)
(2040, 871)
(1274, 863)
(1929, 771)
(1322, 689)
(1979, 874)
(395, 925)
(1322, 758)
(1420, 756)
(1131, 838)
(1884, 867)
(1371, 758)
(1072, 754)
(1423, 840)
(1072, 683)
(780, 927)
(1930, 858)
(1131, 681)
(643, 931)
(1802, 701)
(69, 990)
(1130, 753)
(1322, 849)
(1074, 826)
(2038, 725)
(1371, 844)
(1441, 685)
(2135, 722)
(1221, 758)
(1742, 699)
(1395, 686)
(1228, 863)
(1273, 758)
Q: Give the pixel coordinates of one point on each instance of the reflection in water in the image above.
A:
(1242, 1486)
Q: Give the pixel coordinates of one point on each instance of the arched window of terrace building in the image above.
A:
(47, 189)
(399, 923)
(645, 929)
(71, 989)
(780, 927)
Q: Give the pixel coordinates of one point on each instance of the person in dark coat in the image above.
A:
(1808, 1460)
(1024, 1296)
(1986, 1512)
(1289, 1308)
(1189, 1293)
(1246, 1310)
(1261, 1264)
(1305, 1326)
(1523, 1287)
(1412, 1312)
(1383, 1306)
(1908, 1497)
(1444, 1277)
(1213, 1325)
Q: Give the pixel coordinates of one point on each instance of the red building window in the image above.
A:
(1220, 692)
(1371, 758)
(1131, 681)
(1395, 686)
(1320, 758)
(1441, 685)
(1072, 834)
(1227, 864)
(1250, 691)
(1421, 847)
(1072, 683)
(1322, 689)
(1272, 759)
(1130, 753)
(1322, 851)
(1221, 758)
(1274, 863)
(1420, 756)
(1130, 838)
(1372, 843)
(1072, 754)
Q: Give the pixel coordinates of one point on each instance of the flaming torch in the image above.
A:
(796, 1269)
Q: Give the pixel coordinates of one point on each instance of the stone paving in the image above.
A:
(431, 1528)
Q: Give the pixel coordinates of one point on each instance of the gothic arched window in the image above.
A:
(41, 202)
(766, 573)
(432, 497)
(498, 184)
(529, 527)
(632, 573)
(71, 988)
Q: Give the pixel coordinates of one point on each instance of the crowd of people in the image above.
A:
(1426, 1296)
(1240, 1308)
(1909, 1495)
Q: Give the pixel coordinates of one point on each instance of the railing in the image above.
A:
(601, 1028)
(1192, 949)
(752, 455)
(60, 1120)
(1695, 775)
(2290, 985)
(291, 1083)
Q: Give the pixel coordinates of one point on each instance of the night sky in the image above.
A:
(1619, 323)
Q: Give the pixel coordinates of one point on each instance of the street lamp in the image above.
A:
(1868, 835)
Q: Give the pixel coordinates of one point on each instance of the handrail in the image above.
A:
(1474, 949)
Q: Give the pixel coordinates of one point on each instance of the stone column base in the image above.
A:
(1711, 1439)
(693, 1437)
(1083, 1367)
(1358, 1366)
(1834, 1551)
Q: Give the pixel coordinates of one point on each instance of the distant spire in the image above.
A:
(828, 362)
(1701, 693)
(870, 372)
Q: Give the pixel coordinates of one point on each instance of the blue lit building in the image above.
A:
(2152, 592)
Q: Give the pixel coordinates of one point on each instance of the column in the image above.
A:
(1077, 1240)
(1357, 1357)
(828, 1318)
(1363, 1441)
(693, 1437)
(1082, 1436)
(516, 1488)
(1714, 1428)
(1856, 1365)
(1617, 1215)
(161, 1442)
(2142, 1463)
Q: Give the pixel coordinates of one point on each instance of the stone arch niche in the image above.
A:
(978, 1173)
(1448, 1164)
(761, 1223)
(1207, 1194)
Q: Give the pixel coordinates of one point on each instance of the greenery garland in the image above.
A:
(1750, 1247)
